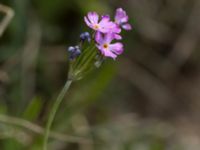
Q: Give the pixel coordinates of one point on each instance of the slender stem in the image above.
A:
(53, 112)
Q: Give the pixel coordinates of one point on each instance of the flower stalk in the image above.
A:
(53, 112)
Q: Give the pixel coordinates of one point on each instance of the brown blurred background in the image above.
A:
(148, 99)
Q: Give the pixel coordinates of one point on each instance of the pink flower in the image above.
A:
(103, 26)
(121, 19)
(106, 48)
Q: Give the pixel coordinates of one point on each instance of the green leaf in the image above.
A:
(33, 110)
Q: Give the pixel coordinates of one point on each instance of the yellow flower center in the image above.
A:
(96, 26)
(105, 46)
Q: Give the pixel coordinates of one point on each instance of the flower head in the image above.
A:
(121, 19)
(106, 48)
(104, 25)
(87, 56)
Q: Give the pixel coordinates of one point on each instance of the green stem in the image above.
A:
(53, 112)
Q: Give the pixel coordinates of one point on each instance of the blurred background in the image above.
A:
(148, 99)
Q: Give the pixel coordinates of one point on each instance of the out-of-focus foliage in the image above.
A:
(148, 99)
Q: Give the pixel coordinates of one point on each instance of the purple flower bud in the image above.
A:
(85, 36)
(77, 48)
(77, 52)
(74, 51)
(71, 49)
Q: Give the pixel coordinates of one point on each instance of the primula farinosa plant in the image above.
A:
(94, 47)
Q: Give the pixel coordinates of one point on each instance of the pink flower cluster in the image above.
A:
(106, 31)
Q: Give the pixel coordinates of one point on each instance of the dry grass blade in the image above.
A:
(39, 130)
(9, 13)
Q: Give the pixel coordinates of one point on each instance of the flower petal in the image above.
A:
(99, 38)
(127, 26)
(121, 16)
(93, 17)
(108, 53)
(104, 19)
(117, 48)
(117, 37)
(87, 21)
(108, 26)
(115, 28)
(109, 37)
